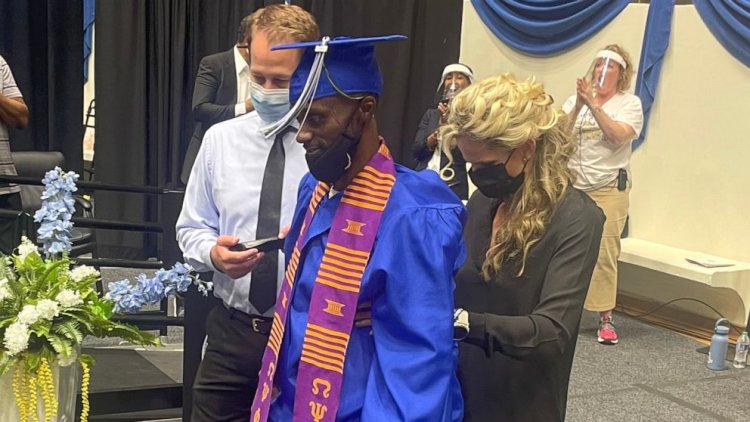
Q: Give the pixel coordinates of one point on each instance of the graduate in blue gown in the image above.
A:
(400, 366)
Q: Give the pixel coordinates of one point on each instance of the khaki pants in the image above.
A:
(602, 293)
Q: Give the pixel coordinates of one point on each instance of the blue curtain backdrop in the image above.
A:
(655, 43)
(729, 21)
(88, 30)
(546, 27)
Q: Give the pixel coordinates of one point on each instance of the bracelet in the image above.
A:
(460, 324)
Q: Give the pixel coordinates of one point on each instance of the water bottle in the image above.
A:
(717, 353)
(740, 351)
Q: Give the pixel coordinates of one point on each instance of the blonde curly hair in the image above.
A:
(501, 112)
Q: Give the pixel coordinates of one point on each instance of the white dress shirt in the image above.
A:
(242, 71)
(223, 195)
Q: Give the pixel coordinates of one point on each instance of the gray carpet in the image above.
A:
(653, 374)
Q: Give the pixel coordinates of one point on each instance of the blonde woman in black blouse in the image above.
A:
(532, 241)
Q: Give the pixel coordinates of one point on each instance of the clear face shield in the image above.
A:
(604, 71)
(449, 92)
(449, 85)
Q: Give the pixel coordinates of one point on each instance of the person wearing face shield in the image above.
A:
(532, 240)
(605, 119)
(366, 231)
(243, 187)
(428, 150)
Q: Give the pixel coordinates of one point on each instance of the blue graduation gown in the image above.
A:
(403, 368)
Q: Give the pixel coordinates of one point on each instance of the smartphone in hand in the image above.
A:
(262, 245)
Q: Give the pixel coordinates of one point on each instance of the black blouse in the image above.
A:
(515, 364)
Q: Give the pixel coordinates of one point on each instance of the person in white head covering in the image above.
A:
(428, 149)
(605, 120)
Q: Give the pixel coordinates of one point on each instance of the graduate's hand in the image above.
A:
(233, 264)
(284, 232)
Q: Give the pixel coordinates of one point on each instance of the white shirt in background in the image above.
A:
(242, 71)
(597, 161)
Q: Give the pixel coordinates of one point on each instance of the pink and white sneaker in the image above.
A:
(606, 333)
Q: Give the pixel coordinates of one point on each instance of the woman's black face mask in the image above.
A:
(494, 181)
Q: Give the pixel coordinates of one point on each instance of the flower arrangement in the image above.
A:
(48, 305)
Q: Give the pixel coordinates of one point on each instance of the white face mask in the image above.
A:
(271, 104)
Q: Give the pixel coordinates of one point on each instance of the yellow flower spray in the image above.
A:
(31, 405)
(48, 390)
(25, 388)
(85, 391)
(19, 391)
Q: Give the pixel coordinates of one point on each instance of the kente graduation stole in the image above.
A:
(335, 293)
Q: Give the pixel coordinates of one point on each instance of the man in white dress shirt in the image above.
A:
(227, 201)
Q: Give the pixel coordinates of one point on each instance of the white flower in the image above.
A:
(48, 309)
(68, 298)
(28, 315)
(4, 290)
(16, 338)
(82, 272)
(26, 247)
(4, 293)
(64, 362)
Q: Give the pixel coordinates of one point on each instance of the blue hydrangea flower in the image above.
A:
(131, 303)
(57, 209)
(117, 290)
(130, 298)
(152, 289)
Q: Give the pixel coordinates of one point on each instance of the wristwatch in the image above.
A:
(460, 324)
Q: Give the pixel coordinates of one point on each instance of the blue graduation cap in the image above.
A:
(328, 67)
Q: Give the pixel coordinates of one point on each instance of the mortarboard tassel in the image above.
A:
(308, 93)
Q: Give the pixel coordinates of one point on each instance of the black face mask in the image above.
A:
(494, 181)
(331, 165)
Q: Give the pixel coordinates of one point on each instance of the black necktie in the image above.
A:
(263, 279)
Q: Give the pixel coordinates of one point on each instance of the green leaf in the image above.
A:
(69, 330)
(32, 361)
(82, 319)
(62, 346)
(41, 328)
(6, 321)
(132, 334)
(87, 359)
(47, 276)
(6, 363)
